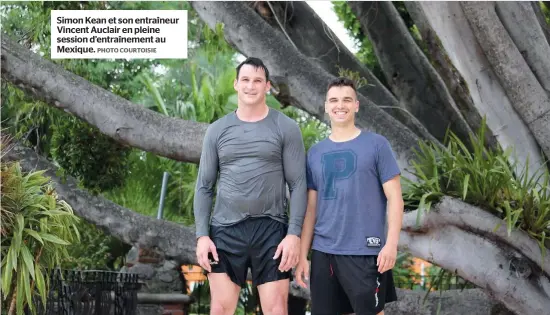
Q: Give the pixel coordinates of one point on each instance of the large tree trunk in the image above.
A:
(298, 23)
(408, 71)
(519, 19)
(447, 26)
(528, 97)
(113, 115)
(454, 235)
(457, 86)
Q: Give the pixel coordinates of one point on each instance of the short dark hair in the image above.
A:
(342, 81)
(257, 63)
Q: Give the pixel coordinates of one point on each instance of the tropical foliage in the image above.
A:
(36, 228)
(485, 178)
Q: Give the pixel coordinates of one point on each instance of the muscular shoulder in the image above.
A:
(216, 127)
(284, 123)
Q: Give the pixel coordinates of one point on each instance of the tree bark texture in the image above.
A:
(446, 23)
(519, 19)
(408, 71)
(528, 97)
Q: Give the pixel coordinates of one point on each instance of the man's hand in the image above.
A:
(386, 258)
(302, 270)
(290, 250)
(205, 246)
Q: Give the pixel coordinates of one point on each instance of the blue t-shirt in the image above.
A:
(351, 204)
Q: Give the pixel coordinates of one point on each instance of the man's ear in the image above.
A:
(235, 84)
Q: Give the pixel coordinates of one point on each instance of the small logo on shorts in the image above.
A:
(376, 291)
(373, 241)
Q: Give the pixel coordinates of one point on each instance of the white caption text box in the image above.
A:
(119, 34)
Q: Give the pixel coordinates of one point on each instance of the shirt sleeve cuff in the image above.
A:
(294, 230)
(201, 232)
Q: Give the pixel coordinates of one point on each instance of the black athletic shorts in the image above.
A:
(249, 243)
(344, 284)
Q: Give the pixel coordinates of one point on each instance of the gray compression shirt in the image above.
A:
(255, 161)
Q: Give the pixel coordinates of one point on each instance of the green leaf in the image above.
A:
(54, 239)
(27, 287)
(35, 235)
(12, 255)
(465, 188)
(27, 258)
(20, 291)
(40, 284)
(7, 274)
(18, 233)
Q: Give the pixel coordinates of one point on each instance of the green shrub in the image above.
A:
(98, 161)
(36, 227)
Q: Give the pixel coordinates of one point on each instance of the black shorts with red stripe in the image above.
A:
(345, 284)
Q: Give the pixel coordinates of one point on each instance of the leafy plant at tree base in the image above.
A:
(36, 228)
(485, 178)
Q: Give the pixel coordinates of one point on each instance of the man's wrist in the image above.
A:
(391, 243)
(201, 236)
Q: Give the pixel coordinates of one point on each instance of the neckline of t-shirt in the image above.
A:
(236, 117)
(361, 133)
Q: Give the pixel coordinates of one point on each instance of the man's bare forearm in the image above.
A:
(395, 220)
(307, 233)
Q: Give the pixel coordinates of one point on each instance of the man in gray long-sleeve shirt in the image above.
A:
(256, 151)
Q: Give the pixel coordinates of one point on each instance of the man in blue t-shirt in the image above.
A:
(353, 180)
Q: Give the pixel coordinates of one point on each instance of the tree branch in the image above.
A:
(115, 116)
(500, 271)
(452, 211)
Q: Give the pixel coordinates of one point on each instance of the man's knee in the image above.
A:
(224, 294)
(274, 297)
(219, 309)
(223, 305)
(275, 304)
(276, 309)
